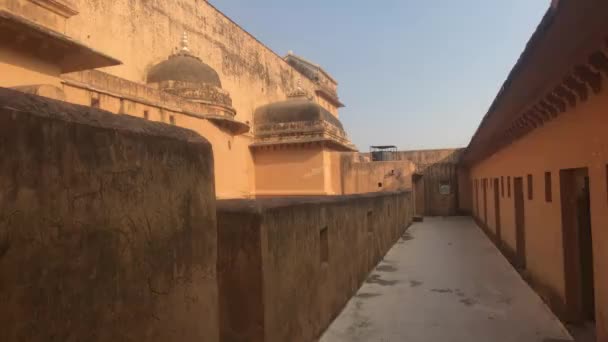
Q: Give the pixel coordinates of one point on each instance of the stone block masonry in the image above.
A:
(107, 226)
(287, 266)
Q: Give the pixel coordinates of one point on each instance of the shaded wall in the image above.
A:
(423, 158)
(575, 139)
(19, 69)
(288, 266)
(107, 226)
(356, 176)
(436, 202)
(465, 187)
(436, 169)
(289, 171)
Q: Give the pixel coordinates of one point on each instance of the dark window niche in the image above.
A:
(324, 247)
(548, 188)
(95, 102)
(530, 188)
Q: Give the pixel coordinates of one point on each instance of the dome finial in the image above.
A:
(184, 43)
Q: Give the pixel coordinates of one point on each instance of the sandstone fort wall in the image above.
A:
(288, 266)
(107, 226)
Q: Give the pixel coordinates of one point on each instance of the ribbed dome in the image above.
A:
(185, 68)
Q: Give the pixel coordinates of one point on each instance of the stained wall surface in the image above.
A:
(357, 176)
(288, 266)
(143, 33)
(291, 171)
(422, 158)
(234, 169)
(438, 202)
(575, 139)
(107, 226)
(438, 184)
(36, 12)
(20, 69)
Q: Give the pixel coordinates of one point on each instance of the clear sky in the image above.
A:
(412, 73)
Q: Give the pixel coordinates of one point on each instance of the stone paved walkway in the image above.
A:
(445, 281)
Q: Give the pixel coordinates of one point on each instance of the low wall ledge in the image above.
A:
(13, 101)
(260, 205)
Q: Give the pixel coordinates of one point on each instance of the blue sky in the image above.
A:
(416, 74)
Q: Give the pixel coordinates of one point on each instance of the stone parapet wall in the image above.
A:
(107, 226)
(359, 176)
(287, 266)
(101, 82)
(423, 158)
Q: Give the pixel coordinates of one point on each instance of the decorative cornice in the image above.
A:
(329, 96)
(301, 131)
(583, 80)
(61, 7)
(290, 54)
(558, 70)
(22, 34)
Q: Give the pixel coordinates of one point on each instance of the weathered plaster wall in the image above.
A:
(284, 171)
(435, 202)
(233, 162)
(35, 12)
(422, 158)
(142, 33)
(575, 139)
(107, 226)
(276, 281)
(19, 69)
(360, 177)
(465, 190)
(436, 167)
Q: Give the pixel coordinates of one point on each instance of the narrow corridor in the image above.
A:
(445, 281)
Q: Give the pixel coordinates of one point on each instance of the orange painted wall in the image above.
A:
(232, 161)
(578, 138)
(19, 69)
(289, 171)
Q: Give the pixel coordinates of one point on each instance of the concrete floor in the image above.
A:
(445, 281)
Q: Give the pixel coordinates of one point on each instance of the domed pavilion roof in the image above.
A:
(294, 110)
(184, 67)
(298, 120)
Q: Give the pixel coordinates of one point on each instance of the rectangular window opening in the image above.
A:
(509, 186)
(146, 115)
(548, 189)
(324, 247)
(530, 188)
(172, 119)
(502, 186)
(445, 187)
(95, 102)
